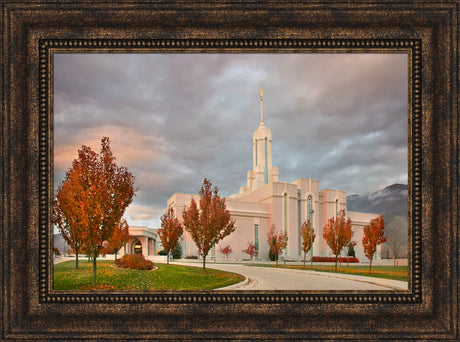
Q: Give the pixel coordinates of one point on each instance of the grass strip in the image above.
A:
(166, 277)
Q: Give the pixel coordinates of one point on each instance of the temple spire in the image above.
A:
(262, 172)
(261, 106)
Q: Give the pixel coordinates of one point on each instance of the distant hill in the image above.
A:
(389, 202)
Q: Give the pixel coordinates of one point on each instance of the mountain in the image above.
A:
(389, 202)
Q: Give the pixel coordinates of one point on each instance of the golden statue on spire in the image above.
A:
(261, 106)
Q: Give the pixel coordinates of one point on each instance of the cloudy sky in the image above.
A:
(175, 119)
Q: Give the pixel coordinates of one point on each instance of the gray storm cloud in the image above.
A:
(176, 118)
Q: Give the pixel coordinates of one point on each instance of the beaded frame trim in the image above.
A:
(50, 46)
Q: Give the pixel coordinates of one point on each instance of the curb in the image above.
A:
(233, 286)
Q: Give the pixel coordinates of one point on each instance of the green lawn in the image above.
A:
(166, 277)
(386, 272)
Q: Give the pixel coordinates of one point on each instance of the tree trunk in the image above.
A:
(167, 259)
(304, 257)
(116, 252)
(76, 261)
(336, 260)
(370, 265)
(94, 270)
(204, 263)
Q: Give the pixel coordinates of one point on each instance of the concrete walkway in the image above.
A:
(268, 278)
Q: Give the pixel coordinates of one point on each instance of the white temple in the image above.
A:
(264, 201)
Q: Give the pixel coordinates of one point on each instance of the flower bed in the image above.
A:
(332, 259)
(135, 262)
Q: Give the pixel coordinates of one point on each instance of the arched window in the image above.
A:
(299, 218)
(266, 161)
(285, 211)
(309, 208)
(256, 239)
(137, 247)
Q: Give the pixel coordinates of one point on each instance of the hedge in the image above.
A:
(332, 259)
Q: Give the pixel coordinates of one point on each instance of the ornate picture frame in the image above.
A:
(33, 31)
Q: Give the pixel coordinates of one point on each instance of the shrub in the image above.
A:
(351, 249)
(56, 251)
(332, 259)
(162, 253)
(191, 257)
(134, 261)
(177, 252)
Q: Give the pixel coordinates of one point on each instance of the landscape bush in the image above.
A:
(332, 259)
(135, 262)
(176, 253)
(191, 257)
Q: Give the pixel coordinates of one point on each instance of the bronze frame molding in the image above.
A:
(34, 30)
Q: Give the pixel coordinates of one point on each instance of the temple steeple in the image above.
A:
(262, 171)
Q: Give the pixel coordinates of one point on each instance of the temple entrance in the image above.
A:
(137, 247)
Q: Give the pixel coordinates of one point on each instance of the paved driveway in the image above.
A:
(268, 278)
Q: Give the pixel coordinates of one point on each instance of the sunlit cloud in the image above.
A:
(143, 212)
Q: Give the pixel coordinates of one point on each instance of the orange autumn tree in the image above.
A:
(99, 191)
(227, 250)
(307, 238)
(337, 233)
(119, 237)
(251, 250)
(211, 222)
(106, 248)
(277, 241)
(372, 237)
(170, 231)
